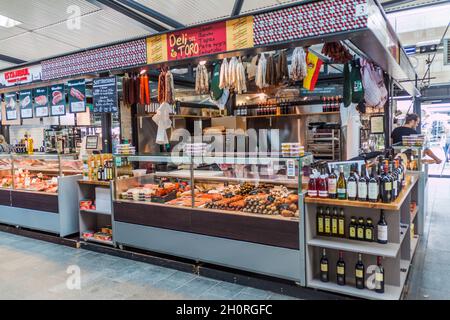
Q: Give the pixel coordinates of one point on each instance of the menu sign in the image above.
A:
(240, 33)
(26, 104)
(157, 49)
(41, 102)
(105, 95)
(11, 106)
(57, 100)
(198, 41)
(77, 96)
(20, 76)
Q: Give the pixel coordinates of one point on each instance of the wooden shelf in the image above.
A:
(96, 212)
(95, 183)
(109, 243)
(390, 292)
(292, 115)
(393, 206)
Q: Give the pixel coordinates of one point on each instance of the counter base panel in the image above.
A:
(5, 197)
(32, 219)
(272, 261)
(35, 201)
(271, 232)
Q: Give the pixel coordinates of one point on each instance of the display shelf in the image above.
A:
(96, 212)
(405, 229)
(110, 243)
(390, 292)
(414, 213)
(393, 206)
(292, 115)
(372, 248)
(95, 183)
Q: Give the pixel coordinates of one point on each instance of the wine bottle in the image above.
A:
(394, 176)
(379, 276)
(312, 186)
(327, 222)
(320, 222)
(352, 186)
(341, 185)
(360, 229)
(332, 184)
(334, 223)
(340, 270)
(369, 230)
(324, 270)
(386, 186)
(373, 188)
(398, 172)
(382, 230)
(322, 186)
(359, 273)
(363, 184)
(341, 224)
(352, 228)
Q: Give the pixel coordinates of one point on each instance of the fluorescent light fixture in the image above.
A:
(8, 22)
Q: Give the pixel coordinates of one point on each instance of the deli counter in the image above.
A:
(237, 212)
(37, 192)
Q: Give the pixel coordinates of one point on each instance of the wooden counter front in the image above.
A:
(271, 231)
(411, 180)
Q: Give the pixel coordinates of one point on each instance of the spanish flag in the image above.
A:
(313, 64)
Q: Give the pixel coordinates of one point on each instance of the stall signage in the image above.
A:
(11, 106)
(196, 42)
(41, 102)
(77, 95)
(200, 41)
(26, 104)
(57, 100)
(105, 95)
(20, 76)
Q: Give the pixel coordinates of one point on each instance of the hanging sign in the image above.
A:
(57, 100)
(20, 76)
(157, 49)
(77, 96)
(26, 104)
(104, 94)
(41, 102)
(240, 33)
(198, 41)
(11, 106)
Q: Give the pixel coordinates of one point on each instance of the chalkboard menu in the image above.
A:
(105, 95)
(26, 104)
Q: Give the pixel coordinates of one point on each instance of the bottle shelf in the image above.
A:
(390, 292)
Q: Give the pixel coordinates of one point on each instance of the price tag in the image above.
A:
(290, 169)
(59, 110)
(41, 112)
(11, 114)
(26, 113)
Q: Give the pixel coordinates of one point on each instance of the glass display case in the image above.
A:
(253, 203)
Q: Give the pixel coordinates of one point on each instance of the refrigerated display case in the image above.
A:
(38, 192)
(238, 212)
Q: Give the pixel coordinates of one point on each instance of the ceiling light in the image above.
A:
(8, 22)
(143, 71)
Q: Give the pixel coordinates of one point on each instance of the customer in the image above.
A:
(4, 148)
(447, 143)
(409, 128)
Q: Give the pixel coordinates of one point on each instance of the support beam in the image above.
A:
(402, 5)
(237, 7)
(11, 59)
(131, 14)
(152, 13)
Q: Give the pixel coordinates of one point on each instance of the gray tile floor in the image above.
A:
(32, 269)
(430, 274)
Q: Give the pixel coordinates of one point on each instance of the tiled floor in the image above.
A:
(430, 274)
(32, 269)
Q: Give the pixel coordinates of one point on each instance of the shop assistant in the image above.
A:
(409, 128)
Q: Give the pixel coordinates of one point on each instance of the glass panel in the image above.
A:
(36, 173)
(5, 171)
(71, 165)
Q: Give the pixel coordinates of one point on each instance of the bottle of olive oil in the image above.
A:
(320, 222)
(327, 222)
(369, 230)
(360, 229)
(334, 223)
(341, 224)
(352, 228)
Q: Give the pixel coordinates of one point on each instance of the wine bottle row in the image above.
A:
(331, 223)
(384, 184)
(359, 272)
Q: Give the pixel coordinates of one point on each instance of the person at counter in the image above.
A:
(409, 128)
(4, 147)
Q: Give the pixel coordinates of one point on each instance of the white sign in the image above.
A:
(20, 76)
